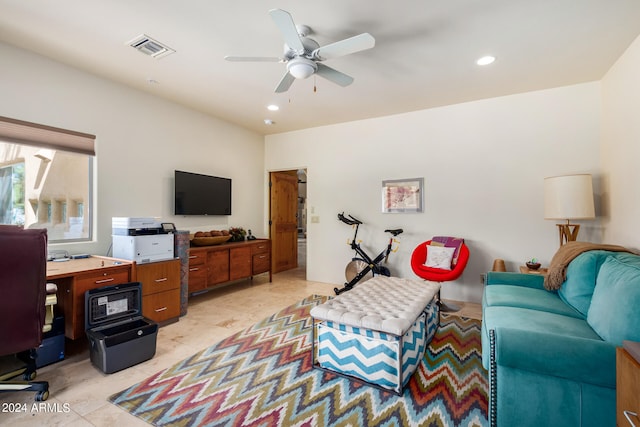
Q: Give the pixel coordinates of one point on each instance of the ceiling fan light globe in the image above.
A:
(301, 68)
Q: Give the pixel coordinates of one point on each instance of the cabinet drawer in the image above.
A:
(261, 263)
(197, 257)
(108, 278)
(159, 276)
(197, 278)
(162, 306)
(261, 248)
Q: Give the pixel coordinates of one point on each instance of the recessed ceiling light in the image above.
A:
(486, 60)
(273, 107)
(269, 122)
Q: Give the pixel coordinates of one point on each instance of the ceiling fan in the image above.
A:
(304, 55)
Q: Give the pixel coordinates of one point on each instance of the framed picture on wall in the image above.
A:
(402, 195)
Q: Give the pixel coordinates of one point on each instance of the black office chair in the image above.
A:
(23, 269)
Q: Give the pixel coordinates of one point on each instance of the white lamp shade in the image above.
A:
(568, 197)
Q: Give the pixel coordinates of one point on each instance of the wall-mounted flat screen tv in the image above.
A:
(197, 194)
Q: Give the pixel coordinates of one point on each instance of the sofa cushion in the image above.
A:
(548, 343)
(613, 312)
(535, 281)
(524, 297)
(582, 272)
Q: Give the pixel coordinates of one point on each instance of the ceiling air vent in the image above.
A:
(151, 47)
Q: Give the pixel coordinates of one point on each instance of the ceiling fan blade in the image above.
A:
(285, 83)
(345, 47)
(252, 58)
(333, 75)
(287, 27)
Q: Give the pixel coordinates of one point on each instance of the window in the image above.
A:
(45, 183)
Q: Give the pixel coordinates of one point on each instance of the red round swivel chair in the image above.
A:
(418, 258)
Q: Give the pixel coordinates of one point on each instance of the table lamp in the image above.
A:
(568, 197)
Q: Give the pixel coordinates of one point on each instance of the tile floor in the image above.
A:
(79, 391)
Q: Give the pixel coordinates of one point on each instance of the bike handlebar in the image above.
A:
(349, 221)
(354, 221)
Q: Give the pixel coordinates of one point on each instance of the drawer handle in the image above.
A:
(110, 279)
(158, 310)
(194, 269)
(628, 415)
(164, 279)
(263, 256)
(193, 256)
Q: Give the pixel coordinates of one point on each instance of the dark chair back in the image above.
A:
(23, 270)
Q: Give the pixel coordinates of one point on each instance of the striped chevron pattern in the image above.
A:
(369, 355)
(262, 376)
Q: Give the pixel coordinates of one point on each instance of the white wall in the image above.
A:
(621, 148)
(483, 163)
(141, 139)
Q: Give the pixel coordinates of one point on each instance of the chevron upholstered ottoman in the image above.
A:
(378, 331)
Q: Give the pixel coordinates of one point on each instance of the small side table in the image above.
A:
(526, 270)
(628, 384)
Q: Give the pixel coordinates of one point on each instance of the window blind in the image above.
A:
(21, 132)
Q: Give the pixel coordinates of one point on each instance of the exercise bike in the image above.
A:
(363, 267)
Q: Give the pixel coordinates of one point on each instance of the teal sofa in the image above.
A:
(550, 355)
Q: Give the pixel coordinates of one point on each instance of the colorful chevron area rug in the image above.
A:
(262, 376)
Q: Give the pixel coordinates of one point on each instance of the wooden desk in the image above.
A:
(76, 276)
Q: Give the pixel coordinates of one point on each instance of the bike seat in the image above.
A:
(395, 231)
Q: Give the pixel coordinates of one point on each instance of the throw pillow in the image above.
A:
(439, 257)
(450, 242)
(613, 313)
(577, 289)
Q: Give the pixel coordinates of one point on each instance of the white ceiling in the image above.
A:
(424, 55)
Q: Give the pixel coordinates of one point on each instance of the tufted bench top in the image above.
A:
(384, 304)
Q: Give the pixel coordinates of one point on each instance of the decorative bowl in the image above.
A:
(209, 241)
(533, 265)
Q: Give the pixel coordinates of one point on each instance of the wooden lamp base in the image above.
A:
(568, 232)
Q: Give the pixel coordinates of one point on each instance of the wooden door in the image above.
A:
(283, 220)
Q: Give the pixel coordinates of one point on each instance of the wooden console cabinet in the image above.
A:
(213, 265)
(160, 290)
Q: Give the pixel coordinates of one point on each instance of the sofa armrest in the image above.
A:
(517, 279)
(584, 360)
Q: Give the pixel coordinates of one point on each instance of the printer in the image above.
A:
(141, 239)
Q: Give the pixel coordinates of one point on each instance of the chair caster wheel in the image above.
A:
(41, 396)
